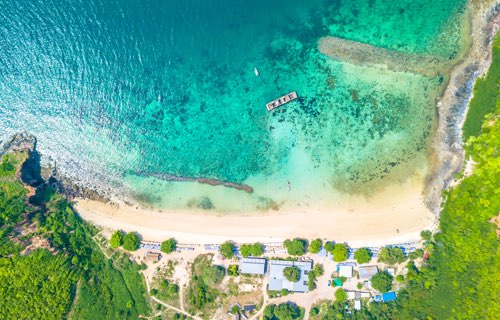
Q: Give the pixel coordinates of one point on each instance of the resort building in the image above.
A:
(277, 280)
(345, 271)
(367, 272)
(253, 266)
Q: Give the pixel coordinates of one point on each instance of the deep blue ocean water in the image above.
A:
(119, 91)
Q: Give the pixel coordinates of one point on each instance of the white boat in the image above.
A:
(256, 72)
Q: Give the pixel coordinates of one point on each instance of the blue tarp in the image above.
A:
(389, 296)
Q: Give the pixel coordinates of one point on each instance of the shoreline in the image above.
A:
(397, 214)
(447, 151)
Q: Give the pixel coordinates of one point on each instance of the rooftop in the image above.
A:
(345, 271)
(366, 272)
(277, 281)
(253, 266)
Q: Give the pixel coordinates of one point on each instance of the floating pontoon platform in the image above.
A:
(281, 101)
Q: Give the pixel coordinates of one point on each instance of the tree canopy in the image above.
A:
(227, 249)
(391, 255)
(315, 246)
(292, 273)
(329, 245)
(131, 241)
(339, 252)
(116, 239)
(254, 250)
(340, 295)
(296, 247)
(168, 246)
(363, 255)
(283, 311)
(382, 281)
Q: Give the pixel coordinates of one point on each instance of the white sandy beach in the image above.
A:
(395, 215)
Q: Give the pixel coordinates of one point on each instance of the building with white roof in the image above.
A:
(277, 280)
(253, 266)
(345, 271)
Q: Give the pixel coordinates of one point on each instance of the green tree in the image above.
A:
(232, 270)
(296, 247)
(292, 273)
(391, 255)
(254, 250)
(426, 235)
(419, 253)
(168, 246)
(269, 312)
(116, 239)
(227, 249)
(286, 311)
(363, 255)
(382, 281)
(315, 246)
(245, 250)
(329, 245)
(257, 249)
(318, 269)
(131, 241)
(340, 295)
(314, 311)
(339, 252)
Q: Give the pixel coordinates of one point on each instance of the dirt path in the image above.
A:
(265, 298)
(174, 308)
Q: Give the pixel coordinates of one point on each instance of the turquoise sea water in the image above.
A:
(120, 91)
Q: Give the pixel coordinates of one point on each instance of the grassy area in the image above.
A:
(485, 95)
(204, 289)
(163, 287)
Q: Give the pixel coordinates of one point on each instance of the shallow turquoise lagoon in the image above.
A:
(121, 92)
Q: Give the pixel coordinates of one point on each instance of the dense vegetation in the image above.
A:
(391, 255)
(339, 252)
(203, 289)
(254, 250)
(40, 284)
(116, 239)
(315, 246)
(227, 249)
(296, 247)
(382, 281)
(168, 246)
(283, 311)
(292, 273)
(485, 95)
(363, 255)
(461, 279)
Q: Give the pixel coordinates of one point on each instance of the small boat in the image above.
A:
(281, 101)
(256, 72)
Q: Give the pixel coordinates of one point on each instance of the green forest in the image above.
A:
(50, 267)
